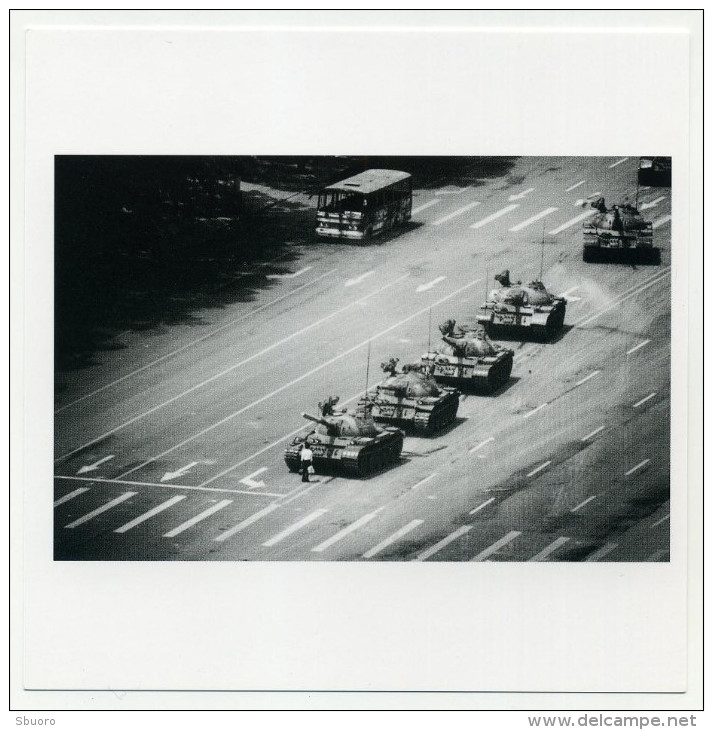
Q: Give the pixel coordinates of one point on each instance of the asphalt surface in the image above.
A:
(170, 446)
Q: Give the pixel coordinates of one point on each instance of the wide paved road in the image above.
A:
(171, 448)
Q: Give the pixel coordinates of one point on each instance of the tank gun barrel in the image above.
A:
(310, 417)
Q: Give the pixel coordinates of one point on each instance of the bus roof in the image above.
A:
(369, 181)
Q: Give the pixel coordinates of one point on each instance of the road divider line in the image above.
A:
(194, 342)
(482, 506)
(661, 221)
(601, 552)
(485, 554)
(618, 162)
(594, 433)
(637, 467)
(424, 206)
(346, 531)
(638, 347)
(658, 522)
(442, 543)
(246, 522)
(581, 504)
(199, 518)
(423, 481)
(589, 377)
(71, 495)
(643, 400)
(576, 185)
(533, 219)
(317, 369)
(556, 545)
(448, 217)
(100, 510)
(430, 284)
(480, 445)
(534, 410)
(293, 528)
(148, 515)
(392, 538)
(495, 216)
(539, 468)
(572, 221)
(243, 362)
(358, 279)
(653, 203)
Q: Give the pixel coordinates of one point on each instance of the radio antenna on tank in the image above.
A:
(368, 358)
(542, 255)
(429, 328)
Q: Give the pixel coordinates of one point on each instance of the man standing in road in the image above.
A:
(305, 461)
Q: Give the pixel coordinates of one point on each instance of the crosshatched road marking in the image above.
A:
(637, 467)
(392, 538)
(293, 528)
(638, 347)
(442, 543)
(586, 501)
(601, 552)
(346, 531)
(71, 495)
(556, 545)
(424, 206)
(658, 522)
(484, 554)
(643, 400)
(572, 221)
(536, 217)
(455, 213)
(661, 221)
(246, 523)
(199, 518)
(103, 508)
(148, 515)
(495, 216)
(618, 162)
(594, 433)
(539, 468)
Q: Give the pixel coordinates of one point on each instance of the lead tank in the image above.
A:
(412, 399)
(349, 441)
(468, 359)
(522, 308)
(617, 234)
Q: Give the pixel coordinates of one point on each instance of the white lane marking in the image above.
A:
(392, 538)
(423, 481)
(640, 345)
(589, 377)
(442, 543)
(480, 445)
(534, 410)
(481, 556)
(424, 206)
(103, 508)
(71, 495)
(601, 552)
(576, 185)
(655, 556)
(637, 467)
(594, 195)
(658, 223)
(549, 549)
(643, 400)
(430, 285)
(95, 465)
(293, 528)
(246, 523)
(358, 279)
(594, 433)
(199, 517)
(148, 515)
(658, 522)
(250, 482)
(520, 196)
(458, 191)
(300, 378)
(572, 221)
(169, 475)
(524, 224)
(169, 486)
(288, 276)
(346, 531)
(581, 504)
(652, 204)
(194, 342)
(455, 213)
(230, 369)
(495, 216)
(482, 506)
(564, 294)
(539, 468)
(618, 162)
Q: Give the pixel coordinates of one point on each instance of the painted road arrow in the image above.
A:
(646, 206)
(430, 285)
(174, 474)
(358, 279)
(289, 276)
(95, 465)
(250, 482)
(521, 195)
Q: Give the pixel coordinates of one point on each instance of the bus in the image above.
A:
(364, 205)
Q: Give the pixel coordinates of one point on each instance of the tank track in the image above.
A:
(442, 415)
(643, 255)
(373, 458)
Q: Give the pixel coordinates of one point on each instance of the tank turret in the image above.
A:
(412, 399)
(468, 359)
(522, 308)
(350, 440)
